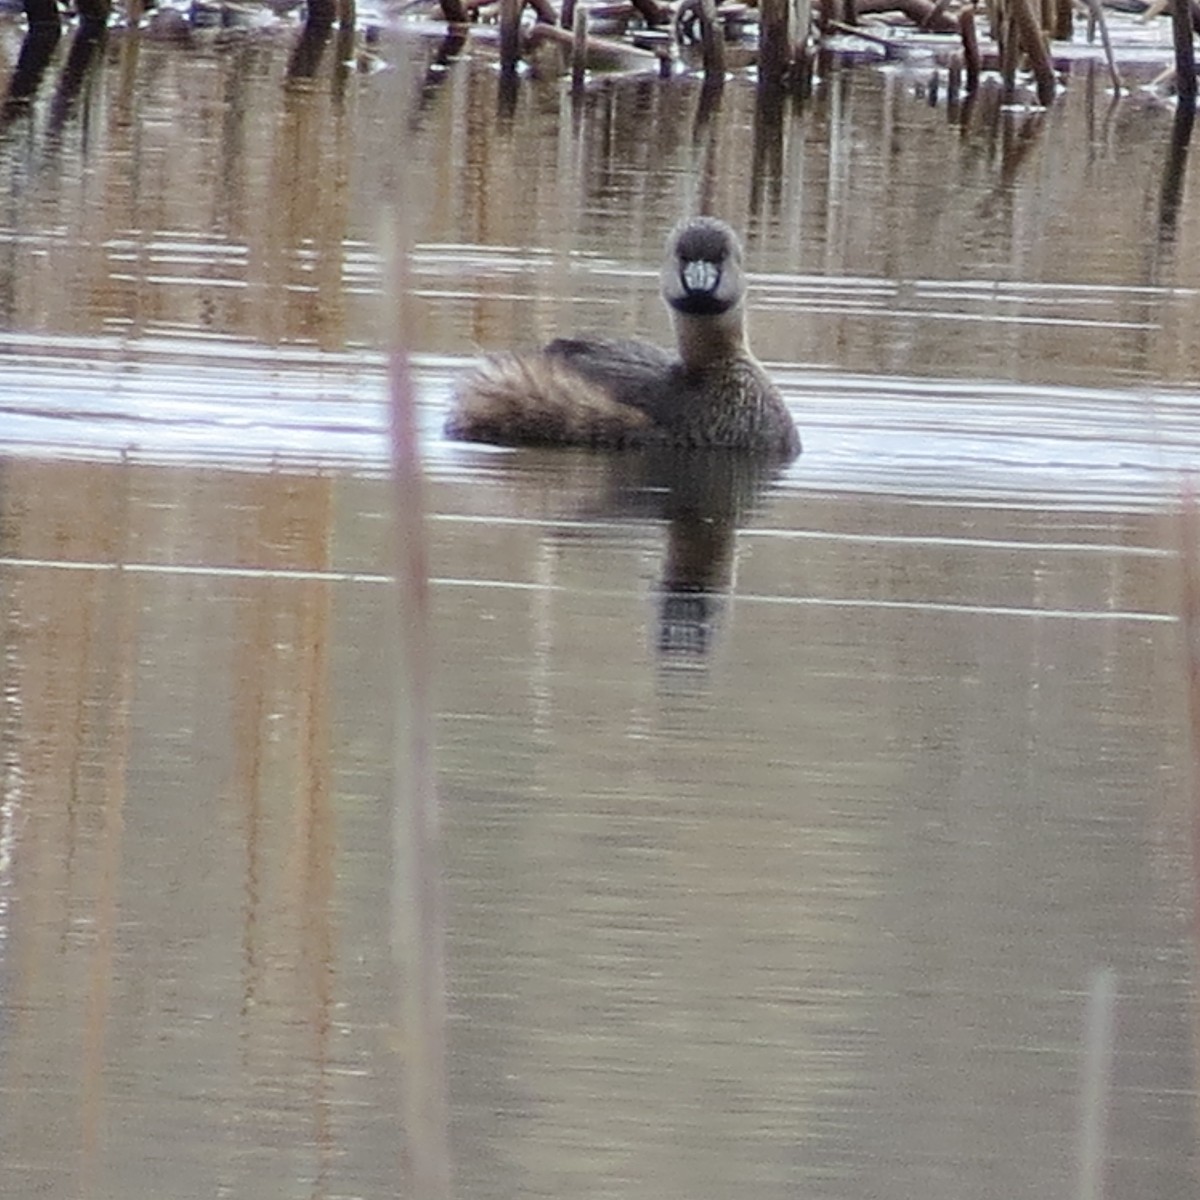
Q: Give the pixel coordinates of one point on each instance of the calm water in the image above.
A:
(786, 818)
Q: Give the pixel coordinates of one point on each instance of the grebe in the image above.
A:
(618, 392)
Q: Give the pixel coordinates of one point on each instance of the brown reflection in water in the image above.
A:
(281, 699)
(68, 645)
(116, 754)
(168, 748)
(819, 925)
(237, 206)
(304, 231)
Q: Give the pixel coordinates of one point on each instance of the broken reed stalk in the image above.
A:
(1098, 1036)
(922, 13)
(579, 49)
(774, 42)
(42, 14)
(1062, 22)
(654, 14)
(567, 16)
(1097, 19)
(93, 12)
(783, 43)
(1185, 52)
(321, 14)
(802, 21)
(972, 63)
(712, 42)
(418, 913)
(1004, 31)
(510, 35)
(1030, 39)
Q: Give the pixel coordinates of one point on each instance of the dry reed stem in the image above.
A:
(579, 48)
(972, 61)
(1029, 38)
(1098, 1037)
(712, 41)
(802, 32)
(774, 42)
(510, 35)
(418, 915)
(1185, 53)
(1096, 13)
(1189, 555)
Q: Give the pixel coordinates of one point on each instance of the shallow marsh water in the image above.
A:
(798, 897)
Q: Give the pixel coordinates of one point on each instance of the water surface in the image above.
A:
(785, 818)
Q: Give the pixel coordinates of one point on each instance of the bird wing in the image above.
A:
(633, 372)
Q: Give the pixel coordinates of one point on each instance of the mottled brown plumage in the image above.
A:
(616, 392)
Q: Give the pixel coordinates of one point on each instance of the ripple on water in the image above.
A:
(190, 400)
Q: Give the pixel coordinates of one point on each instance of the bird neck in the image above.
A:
(704, 340)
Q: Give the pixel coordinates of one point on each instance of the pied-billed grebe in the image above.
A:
(614, 392)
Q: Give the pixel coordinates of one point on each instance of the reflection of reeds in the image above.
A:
(418, 921)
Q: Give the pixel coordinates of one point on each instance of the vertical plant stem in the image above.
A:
(970, 45)
(42, 13)
(1185, 52)
(1033, 42)
(510, 35)
(579, 49)
(1096, 17)
(801, 32)
(1189, 539)
(93, 13)
(1005, 32)
(418, 917)
(712, 41)
(774, 43)
(1099, 1024)
(1063, 27)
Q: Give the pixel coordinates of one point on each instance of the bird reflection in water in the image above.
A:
(703, 497)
